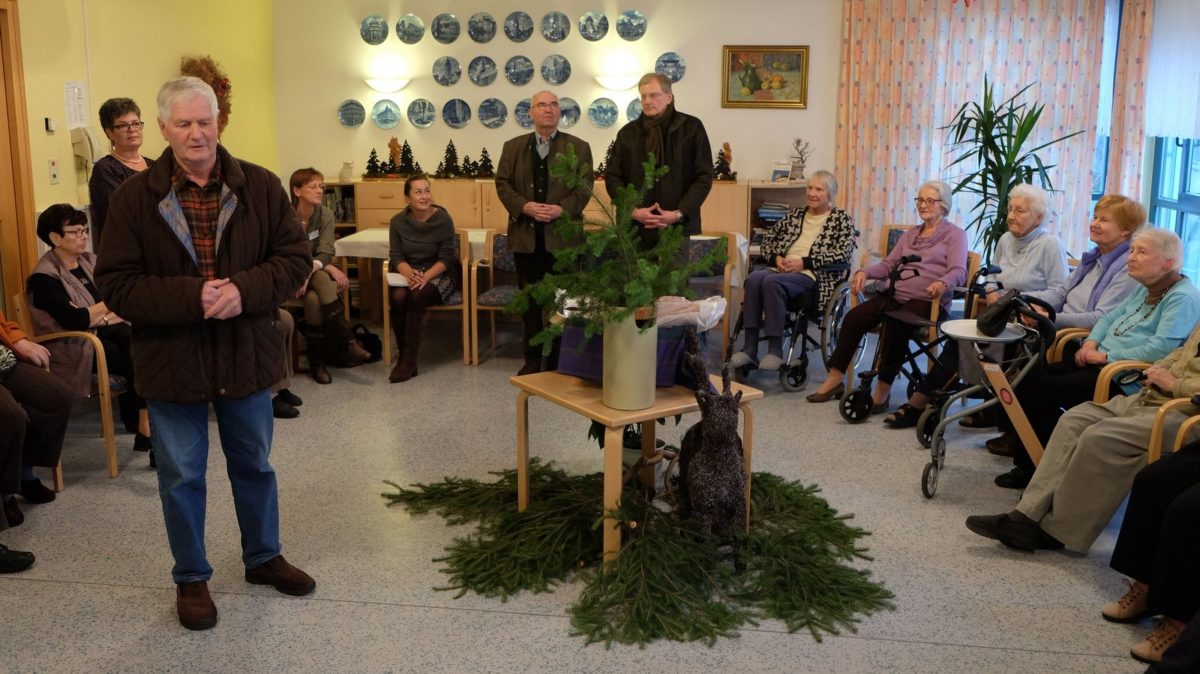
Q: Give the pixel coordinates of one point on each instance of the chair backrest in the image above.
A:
(702, 245)
(502, 257)
(889, 236)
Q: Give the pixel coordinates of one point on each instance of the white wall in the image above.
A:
(321, 61)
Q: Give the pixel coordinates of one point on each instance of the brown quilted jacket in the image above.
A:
(147, 274)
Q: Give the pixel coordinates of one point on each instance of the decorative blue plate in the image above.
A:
(521, 113)
(603, 112)
(422, 113)
(445, 28)
(385, 114)
(456, 113)
(351, 113)
(593, 26)
(482, 70)
(446, 71)
(556, 69)
(634, 109)
(570, 112)
(410, 29)
(493, 113)
(373, 29)
(671, 65)
(481, 27)
(518, 26)
(631, 25)
(556, 26)
(518, 70)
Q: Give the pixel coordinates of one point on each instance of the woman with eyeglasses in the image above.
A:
(121, 120)
(940, 249)
(63, 296)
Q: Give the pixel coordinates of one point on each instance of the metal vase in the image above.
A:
(629, 365)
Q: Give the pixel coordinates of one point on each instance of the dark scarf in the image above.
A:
(653, 127)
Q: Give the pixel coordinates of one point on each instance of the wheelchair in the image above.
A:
(802, 314)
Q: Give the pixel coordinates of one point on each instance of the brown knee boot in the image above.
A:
(398, 321)
(314, 336)
(351, 351)
(406, 368)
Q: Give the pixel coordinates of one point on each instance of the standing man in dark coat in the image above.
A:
(535, 201)
(677, 141)
(201, 249)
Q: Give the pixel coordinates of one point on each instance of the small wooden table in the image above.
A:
(584, 398)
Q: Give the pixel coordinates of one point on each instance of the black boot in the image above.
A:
(315, 336)
(406, 365)
(398, 321)
(351, 351)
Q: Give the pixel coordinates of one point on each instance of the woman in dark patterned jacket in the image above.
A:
(121, 120)
(797, 247)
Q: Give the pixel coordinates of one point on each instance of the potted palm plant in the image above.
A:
(992, 138)
(608, 281)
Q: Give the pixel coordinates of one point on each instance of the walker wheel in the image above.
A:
(929, 480)
(856, 406)
(793, 377)
(926, 425)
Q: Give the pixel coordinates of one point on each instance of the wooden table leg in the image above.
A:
(747, 450)
(613, 471)
(649, 465)
(522, 451)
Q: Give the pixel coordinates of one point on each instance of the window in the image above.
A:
(1175, 196)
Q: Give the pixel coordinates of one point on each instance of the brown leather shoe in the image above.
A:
(195, 606)
(1007, 444)
(282, 576)
(837, 392)
(1150, 650)
(1130, 608)
(355, 355)
(320, 373)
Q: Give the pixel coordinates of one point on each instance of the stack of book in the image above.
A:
(772, 212)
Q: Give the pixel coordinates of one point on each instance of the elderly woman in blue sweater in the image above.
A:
(1030, 259)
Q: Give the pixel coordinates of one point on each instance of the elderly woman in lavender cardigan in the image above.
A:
(942, 246)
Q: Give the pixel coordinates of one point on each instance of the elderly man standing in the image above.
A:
(201, 250)
(677, 141)
(534, 201)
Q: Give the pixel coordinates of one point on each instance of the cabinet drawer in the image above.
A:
(375, 217)
(380, 194)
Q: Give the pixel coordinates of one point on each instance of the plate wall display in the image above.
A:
(633, 110)
(446, 71)
(410, 29)
(445, 28)
(631, 25)
(481, 27)
(422, 113)
(373, 29)
(603, 112)
(351, 113)
(518, 26)
(570, 112)
(556, 26)
(493, 113)
(671, 65)
(518, 70)
(593, 26)
(456, 113)
(521, 114)
(386, 114)
(482, 70)
(556, 69)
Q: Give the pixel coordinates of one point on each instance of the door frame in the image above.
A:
(18, 244)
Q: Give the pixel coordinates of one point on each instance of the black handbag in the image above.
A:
(368, 341)
(992, 320)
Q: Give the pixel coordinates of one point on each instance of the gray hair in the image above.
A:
(944, 193)
(184, 87)
(1167, 243)
(1037, 197)
(663, 81)
(827, 179)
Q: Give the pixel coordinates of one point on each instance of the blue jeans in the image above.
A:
(180, 436)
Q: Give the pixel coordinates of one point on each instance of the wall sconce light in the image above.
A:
(617, 82)
(387, 85)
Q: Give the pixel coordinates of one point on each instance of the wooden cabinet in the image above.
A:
(377, 201)
(461, 198)
(492, 215)
(725, 209)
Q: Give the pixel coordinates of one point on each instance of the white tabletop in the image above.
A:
(967, 329)
(375, 243)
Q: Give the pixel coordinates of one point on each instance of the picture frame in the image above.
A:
(758, 76)
(781, 172)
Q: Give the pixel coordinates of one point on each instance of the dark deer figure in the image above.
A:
(712, 481)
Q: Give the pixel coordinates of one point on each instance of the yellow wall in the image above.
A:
(132, 47)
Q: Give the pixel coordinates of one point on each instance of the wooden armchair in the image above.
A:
(101, 389)
(462, 308)
(1154, 449)
(486, 296)
(717, 283)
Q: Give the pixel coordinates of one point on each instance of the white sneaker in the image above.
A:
(770, 362)
(741, 359)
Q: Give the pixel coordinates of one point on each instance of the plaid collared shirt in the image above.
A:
(201, 206)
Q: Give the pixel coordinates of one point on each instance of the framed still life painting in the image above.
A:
(764, 77)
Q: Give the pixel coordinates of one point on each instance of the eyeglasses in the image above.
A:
(922, 201)
(128, 126)
(546, 106)
(77, 233)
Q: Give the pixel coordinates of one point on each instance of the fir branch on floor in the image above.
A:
(670, 582)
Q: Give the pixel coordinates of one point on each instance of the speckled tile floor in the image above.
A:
(100, 597)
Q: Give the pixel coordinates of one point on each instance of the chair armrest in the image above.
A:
(97, 348)
(1104, 383)
(1061, 339)
(1154, 448)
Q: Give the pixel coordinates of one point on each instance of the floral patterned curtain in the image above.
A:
(1129, 99)
(907, 66)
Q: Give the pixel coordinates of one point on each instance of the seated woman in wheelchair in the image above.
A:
(1030, 259)
(796, 247)
(940, 249)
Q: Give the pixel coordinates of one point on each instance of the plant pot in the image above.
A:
(629, 365)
